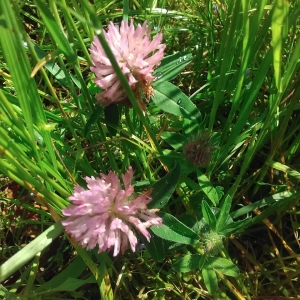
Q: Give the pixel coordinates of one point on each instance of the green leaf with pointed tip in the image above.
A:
(174, 230)
(164, 188)
(208, 215)
(172, 65)
(208, 188)
(93, 119)
(235, 226)
(284, 197)
(171, 99)
(224, 213)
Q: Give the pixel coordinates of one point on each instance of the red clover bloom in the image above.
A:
(133, 51)
(106, 215)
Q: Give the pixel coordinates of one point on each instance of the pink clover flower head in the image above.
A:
(133, 51)
(107, 215)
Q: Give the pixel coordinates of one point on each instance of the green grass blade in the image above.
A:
(19, 67)
(15, 56)
(279, 15)
(229, 42)
(281, 167)
(29, 251)
(55, 30)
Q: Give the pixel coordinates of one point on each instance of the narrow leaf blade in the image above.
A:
(164, 188)
(208, 188)
(56, 32)
(224, 213)
(210, 279)
(208, 215)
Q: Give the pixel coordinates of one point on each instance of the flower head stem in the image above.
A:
(128, 90)
(98, 27)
